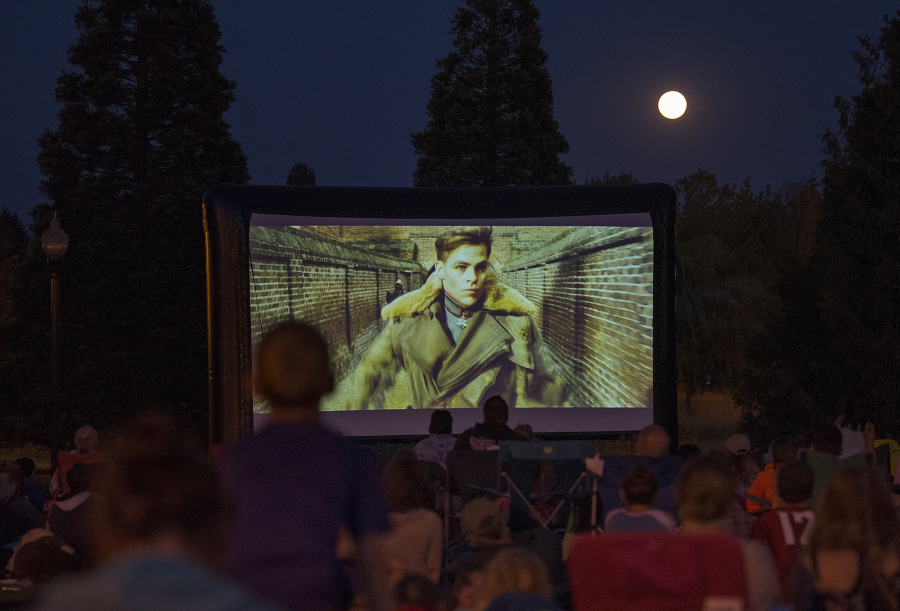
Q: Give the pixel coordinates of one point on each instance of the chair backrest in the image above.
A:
(474, 471)
(659, 571)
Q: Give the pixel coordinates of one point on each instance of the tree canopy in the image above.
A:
(140, 136)
(491, 108)
(301, 175)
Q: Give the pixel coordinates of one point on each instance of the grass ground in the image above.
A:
(713, 419)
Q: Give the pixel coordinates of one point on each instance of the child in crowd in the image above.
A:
(782, 450)
(786, 528)
(515, 580)
(440, 440)
(295, 483)
(416, 593)
(638, 492)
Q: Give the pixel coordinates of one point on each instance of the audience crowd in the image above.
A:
(299, 519)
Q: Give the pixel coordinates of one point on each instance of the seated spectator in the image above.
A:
(296, 483)
(782, 450)
(416, 593)
(70, 516)
(638, 492)
(487, 434)
(85, 451)
(465, 588)
(786, 528)
(440, 440)
(415, 537)
(485, 529)
(824, 457)
(853, 557)
(17, 515)
(161, 530)
(525, 431)
(515, 580)
(704, 495)
(34, 492)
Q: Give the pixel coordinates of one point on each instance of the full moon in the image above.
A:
(672, 105)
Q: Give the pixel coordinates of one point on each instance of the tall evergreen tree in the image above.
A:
(861, 221)
(491, 109)
(301, 175)
(140, 136)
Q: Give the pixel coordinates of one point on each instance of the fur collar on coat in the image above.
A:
(500, 298)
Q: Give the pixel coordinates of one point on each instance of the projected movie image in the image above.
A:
(437, 316)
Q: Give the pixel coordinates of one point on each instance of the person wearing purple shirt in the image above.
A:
(296, 483)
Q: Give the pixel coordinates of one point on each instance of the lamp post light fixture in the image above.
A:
(54, 242)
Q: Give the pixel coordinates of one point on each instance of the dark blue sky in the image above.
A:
(341, 84)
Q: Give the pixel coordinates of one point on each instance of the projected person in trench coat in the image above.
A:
(461, 338)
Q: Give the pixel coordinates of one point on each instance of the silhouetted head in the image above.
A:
(794, 481)
(293, 369)
(496, 410)
(652, 441)
(827, 438)
(86, 439)
(441, 422)
(705, 490)
(639, 486)
(784, 449)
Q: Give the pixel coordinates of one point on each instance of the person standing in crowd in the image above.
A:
(746, 470)
(34, 492)
(462, 337)
(397, 292)
(160, 523)
(296, 483)
(440, 440)
(653, 442)
(486, 435)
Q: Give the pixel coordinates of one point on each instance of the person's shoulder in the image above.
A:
(503, 299)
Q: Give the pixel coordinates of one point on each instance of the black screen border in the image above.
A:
(228, 208)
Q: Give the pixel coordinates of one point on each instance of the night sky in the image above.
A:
(339, 85)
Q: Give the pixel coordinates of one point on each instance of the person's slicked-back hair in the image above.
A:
(455, 237)
(496, 410)
(293, 366)
(441, 422)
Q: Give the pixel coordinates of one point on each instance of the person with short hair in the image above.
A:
(786, 527)
(638, 492)
(294, 484)
(461, 338)
(160, 523)
(487, 435)
(782, 450)
(440, 440)
(515, 579)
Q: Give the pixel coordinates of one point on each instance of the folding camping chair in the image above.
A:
(522, 461)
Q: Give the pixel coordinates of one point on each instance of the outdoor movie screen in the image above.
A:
(551, 314)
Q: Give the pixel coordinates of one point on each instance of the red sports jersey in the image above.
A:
(785, 531)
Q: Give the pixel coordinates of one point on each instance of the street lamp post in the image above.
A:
(55, 242)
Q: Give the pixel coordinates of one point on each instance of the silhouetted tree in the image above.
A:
(301, 175)
(860, 295)
(491, 108)
(140, 136)
(622, 178)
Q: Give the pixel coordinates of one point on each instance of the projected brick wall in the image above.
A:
(595, 310)
(339, 287)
